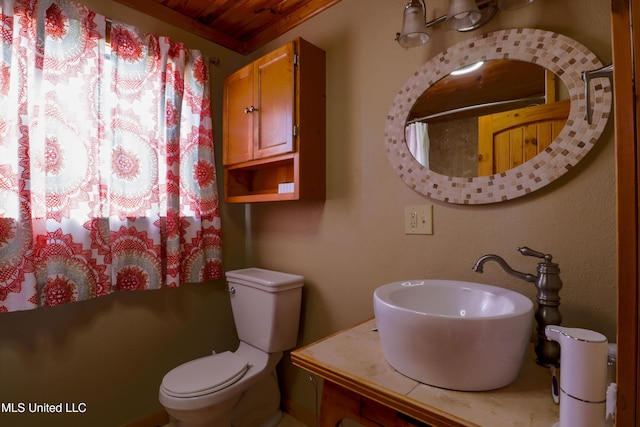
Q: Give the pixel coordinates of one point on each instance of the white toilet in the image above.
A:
(240, 388)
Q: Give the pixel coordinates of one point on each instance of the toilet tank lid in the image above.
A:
(267, 279)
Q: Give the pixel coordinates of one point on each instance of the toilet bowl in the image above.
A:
(204, 391)
(240, 388)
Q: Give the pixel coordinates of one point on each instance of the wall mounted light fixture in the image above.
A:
(463, 15)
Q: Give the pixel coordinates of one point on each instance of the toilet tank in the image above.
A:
(266, 307)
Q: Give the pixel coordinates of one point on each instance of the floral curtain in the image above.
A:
(107, 175)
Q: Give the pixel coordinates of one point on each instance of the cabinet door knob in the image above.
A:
(250, 109)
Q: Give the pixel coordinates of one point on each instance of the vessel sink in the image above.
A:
(456, 335)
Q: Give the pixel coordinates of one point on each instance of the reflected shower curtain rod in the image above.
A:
(477, 107)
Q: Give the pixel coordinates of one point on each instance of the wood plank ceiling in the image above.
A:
(240, 25)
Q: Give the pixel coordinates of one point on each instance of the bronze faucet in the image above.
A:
(548, 285)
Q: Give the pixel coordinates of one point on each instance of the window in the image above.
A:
(107, 173)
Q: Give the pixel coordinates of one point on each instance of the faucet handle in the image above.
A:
(530, 252)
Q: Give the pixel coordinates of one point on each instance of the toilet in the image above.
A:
(240, 388)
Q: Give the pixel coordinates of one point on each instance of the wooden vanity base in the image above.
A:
(360, 385)
(339, 403)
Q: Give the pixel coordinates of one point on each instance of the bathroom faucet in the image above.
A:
(548, 285)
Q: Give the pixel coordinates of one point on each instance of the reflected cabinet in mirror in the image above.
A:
(496, 117)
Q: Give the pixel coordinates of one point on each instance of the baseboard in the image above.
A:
(299, 412)
(157, 419)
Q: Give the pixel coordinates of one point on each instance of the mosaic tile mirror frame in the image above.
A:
(561, 55)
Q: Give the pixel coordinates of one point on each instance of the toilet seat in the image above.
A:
(205, 375)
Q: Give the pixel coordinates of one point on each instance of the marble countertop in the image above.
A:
(353, 359)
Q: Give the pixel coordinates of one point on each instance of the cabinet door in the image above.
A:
(274, 94)
(238, 120)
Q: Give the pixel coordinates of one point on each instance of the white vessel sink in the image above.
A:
(455, 335)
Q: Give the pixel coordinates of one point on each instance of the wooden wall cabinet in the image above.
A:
(273, 128)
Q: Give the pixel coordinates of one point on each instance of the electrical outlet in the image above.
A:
(418, 219)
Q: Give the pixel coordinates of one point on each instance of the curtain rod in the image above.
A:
(214, 60)
(477, 107)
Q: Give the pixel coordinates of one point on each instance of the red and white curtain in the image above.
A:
(107, 175)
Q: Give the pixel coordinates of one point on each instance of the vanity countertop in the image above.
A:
(353, 359)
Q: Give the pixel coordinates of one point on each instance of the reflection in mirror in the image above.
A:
(558, 54)
(486, 118)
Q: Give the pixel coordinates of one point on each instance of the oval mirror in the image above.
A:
(533, 56)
